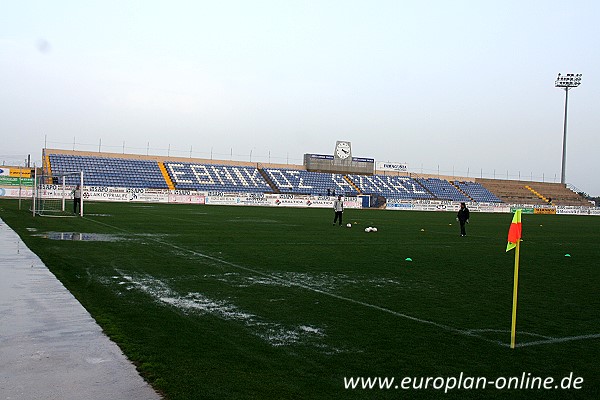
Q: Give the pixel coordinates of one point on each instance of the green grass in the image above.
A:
(269, 303)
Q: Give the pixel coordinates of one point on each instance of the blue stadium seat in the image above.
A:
(442, 189)
(104, 171)
(391, 187)
(477, 192)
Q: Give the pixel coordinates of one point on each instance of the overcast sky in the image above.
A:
(463, 87)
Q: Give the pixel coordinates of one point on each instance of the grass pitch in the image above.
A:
(218, 302)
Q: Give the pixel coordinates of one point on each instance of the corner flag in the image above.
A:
(514, 242)
(514, 232)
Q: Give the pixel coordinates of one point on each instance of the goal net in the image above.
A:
(58, 195)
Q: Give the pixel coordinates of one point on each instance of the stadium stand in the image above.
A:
(516, 192)
(136, 171)
(215, 177)
(105, 171)
(560, 194)
(477, 192)
(396, 187)
(305, 182)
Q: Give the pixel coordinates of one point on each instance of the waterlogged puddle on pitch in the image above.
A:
(79, 236)
(97, 237)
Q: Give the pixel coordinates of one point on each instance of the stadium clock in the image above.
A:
(342, 150)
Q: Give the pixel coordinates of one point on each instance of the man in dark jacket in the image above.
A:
(463, 218)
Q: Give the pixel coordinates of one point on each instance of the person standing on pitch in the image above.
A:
(76, 199)
(338, 208)
(463, 218)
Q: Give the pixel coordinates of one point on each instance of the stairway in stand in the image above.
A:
(265, 176)
(538, 194)
(352, 184)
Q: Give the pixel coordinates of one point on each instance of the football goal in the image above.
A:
(52, 191)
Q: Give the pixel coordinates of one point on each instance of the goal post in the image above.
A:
(51, 192)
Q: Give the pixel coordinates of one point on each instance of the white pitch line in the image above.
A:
(507, 331)
(386, 310)
(560, 340)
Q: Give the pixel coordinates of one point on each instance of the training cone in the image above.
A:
(408, 259)
(422, 230)
(567, 255)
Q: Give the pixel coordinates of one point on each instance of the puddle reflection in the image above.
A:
(78, 236)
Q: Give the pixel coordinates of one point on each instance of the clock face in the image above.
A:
(342, 150)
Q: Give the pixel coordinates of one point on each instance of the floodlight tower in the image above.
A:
(568, 81)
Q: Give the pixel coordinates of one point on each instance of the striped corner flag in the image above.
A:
(514, 232)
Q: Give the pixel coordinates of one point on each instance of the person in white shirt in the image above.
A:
(338, 208)
(76, 199)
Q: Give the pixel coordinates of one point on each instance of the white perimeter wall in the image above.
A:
(118, 194)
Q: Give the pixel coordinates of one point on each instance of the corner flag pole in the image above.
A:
(513, 330)
(514, 242)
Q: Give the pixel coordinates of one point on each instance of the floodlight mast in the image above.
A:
(566, 82)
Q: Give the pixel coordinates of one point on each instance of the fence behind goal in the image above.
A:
(58, 195)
